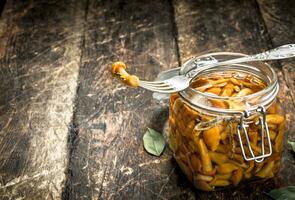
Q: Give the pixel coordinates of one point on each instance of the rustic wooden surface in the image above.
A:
(68, 130)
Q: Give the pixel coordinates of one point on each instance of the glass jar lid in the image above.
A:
(250, 102)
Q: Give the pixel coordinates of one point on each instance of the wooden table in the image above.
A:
(68, 130)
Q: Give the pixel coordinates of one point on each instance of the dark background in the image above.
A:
(69, 130)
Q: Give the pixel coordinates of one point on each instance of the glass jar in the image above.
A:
(219, 139)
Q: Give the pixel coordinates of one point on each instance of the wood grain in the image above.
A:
(39, 63)
(208, 26)
(108, 160)
(69, 130)
(279, 20)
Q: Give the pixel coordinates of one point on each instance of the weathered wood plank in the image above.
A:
(39, 63)
(207, 26)
(108, 160)
(279, 19)
(2, 3)
(233, 26)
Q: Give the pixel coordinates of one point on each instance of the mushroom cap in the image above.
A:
(117, 67)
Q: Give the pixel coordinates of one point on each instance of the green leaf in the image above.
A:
(153, 142)
(292, 144)
(285, 193)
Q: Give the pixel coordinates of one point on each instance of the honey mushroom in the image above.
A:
(119, 69)
(207, 156)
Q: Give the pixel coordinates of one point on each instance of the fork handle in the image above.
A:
(281, 52)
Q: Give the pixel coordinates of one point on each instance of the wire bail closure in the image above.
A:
(264, 128)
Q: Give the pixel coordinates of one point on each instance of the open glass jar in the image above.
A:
(228, 126)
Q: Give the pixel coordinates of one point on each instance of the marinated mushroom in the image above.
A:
(119, 69)
(208, 150)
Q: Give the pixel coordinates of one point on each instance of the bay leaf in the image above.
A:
(284, 193)
(154, 142)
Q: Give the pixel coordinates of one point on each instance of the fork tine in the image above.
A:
(150, 84)
(162, 91)
(155, 89)
(159, 89)
(162, 87)
(153, 82)
(158, 86)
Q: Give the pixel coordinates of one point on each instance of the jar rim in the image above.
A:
(271, 88)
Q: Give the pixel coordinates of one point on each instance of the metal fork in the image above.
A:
(181, 82)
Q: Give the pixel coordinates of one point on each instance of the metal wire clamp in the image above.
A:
(264, 128)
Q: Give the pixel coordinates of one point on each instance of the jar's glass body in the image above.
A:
(207, 148)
